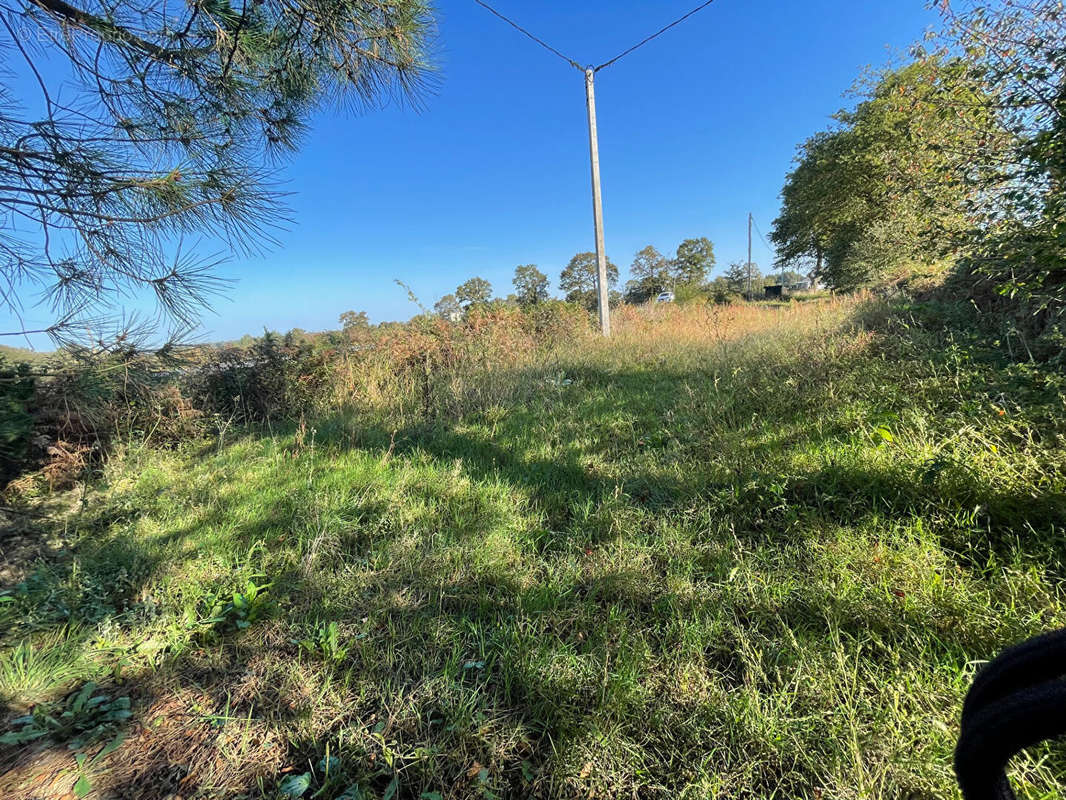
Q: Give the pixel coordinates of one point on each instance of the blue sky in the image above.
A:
(696, 129)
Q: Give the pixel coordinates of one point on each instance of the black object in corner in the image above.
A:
(1017, 700)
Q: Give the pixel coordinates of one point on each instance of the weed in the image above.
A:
(83, 786)
(325, 642)
(246, 606)
(85, 717)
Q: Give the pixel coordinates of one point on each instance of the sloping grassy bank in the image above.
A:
(731, 553)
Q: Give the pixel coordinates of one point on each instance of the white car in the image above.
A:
(665, 297)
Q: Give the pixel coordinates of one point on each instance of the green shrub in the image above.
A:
(1017, 279)
(278, 377)
(16, 418)
(724, 296)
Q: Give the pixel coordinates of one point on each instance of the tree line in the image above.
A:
(688, 271)
(949, 173)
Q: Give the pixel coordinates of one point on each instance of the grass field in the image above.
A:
(734, 552)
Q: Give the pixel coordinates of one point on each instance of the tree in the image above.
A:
(531, 285)
(814, 202)
(889, 189)
(788, 277)
(165, 126)
(578, 279)
(694, 261)
(739, 275)
(351, 321)
(1019, 51)
(473, 292)
(448, 307)
(1016, 267)
(651, 274)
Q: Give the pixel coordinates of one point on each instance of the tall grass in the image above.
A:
(740, 551)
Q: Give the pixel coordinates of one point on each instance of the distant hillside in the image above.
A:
(21, 354)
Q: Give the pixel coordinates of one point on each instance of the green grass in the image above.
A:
(674, 565)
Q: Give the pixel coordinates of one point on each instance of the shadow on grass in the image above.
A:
(488, 669)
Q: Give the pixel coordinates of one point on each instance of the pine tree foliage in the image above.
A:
(150, 121)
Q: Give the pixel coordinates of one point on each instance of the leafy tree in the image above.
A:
(815, 201)
(578, 279)
(693, 262)
(448, 307)
(295, 336)
(889, 188)
(352, 321)
(1017, 265)
(1019, 51)
(165, 124)
(651, 274)
(787, 277)
(739, 274)
(473, 292)
(531, 285)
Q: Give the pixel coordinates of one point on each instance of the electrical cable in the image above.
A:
(605, 64)
(655, 35)
(523, 31)
(768, 246)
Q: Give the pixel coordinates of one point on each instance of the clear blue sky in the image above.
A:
(696, 129)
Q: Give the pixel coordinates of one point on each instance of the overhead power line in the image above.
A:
(768, 245)
(594, 149)
(573, 62)
(655, 35)
(523, 31)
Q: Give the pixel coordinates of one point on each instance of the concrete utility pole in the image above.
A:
(594, 149)
(597, 205)
(749, 255)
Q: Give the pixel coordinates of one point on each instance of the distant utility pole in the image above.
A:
(749, 255)
(594, 150)
(597, 205)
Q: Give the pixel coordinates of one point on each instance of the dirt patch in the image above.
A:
(183, 745)
(24, 540)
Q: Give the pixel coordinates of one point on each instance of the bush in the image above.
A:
(17, 385)
(1017, 279)
(277, 377)
(64, 414)
(69, 413)
(723, 296)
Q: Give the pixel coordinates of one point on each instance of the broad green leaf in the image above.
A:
(83, 786)
(295, 785)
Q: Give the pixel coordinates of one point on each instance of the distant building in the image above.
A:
(783, 289)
